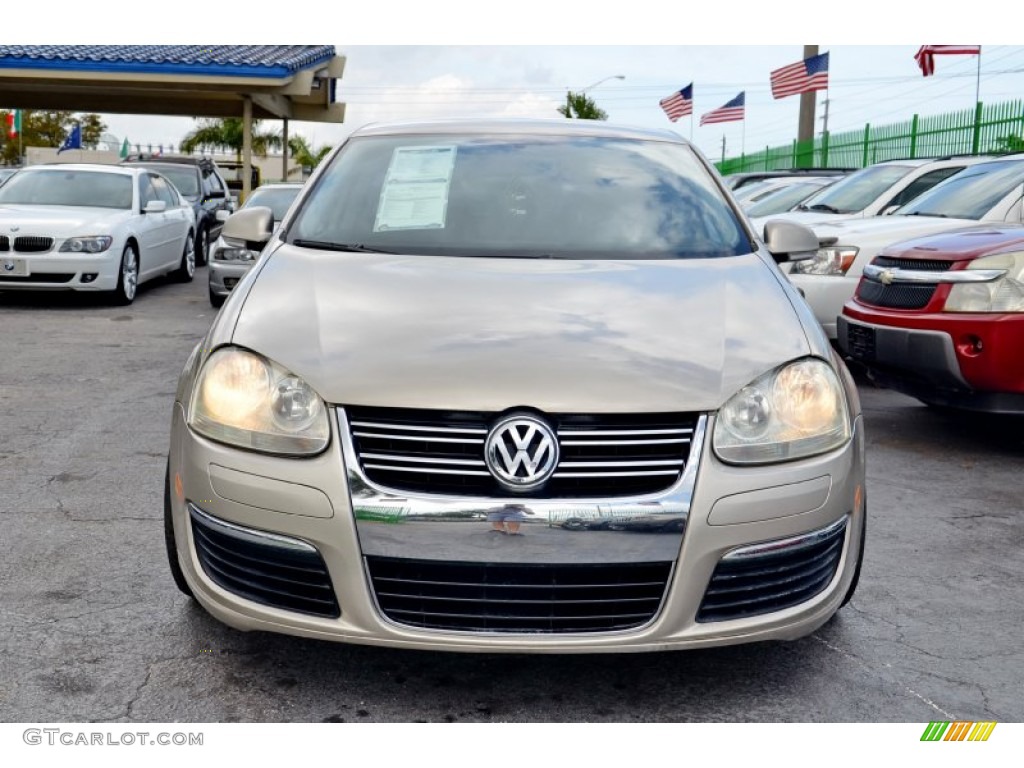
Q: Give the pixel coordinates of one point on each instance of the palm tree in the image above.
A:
(304, 154)
(582, 107)
(227, 132)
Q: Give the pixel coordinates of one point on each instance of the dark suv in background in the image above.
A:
(199, 181)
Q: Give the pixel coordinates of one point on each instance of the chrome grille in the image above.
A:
(33, 244)
(492, 597)
(443, 452)
(773, 576)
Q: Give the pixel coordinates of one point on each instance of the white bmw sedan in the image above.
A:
(93, 228)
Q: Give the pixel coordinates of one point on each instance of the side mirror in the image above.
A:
(788, 241)
(222, 215)
(216, 195)
(253, 225)
(889, 210)
(155, 206)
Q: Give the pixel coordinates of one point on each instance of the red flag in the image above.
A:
(925, 56)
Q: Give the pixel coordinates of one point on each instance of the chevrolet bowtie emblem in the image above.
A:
(886, 277)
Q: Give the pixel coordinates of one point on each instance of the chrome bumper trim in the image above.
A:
(786, 545)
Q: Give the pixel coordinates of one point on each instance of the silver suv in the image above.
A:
(516, 386)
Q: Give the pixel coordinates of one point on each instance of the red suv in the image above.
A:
(941, 318)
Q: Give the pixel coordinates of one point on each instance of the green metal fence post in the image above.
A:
(976, 139)
(767, 153)
(913, 138)
(867, 139)
(824, 149)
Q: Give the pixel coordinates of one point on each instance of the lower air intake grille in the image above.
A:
(489, 597)
(42, 277)
(897, 295)
(768, 578)
(271, 570)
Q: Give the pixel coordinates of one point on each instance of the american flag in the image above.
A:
(732, 110)
(679, 104)
(803, 77)
(925, 55)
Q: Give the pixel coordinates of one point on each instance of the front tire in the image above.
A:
(202, 246)
(127, 278)
(187, 268)
(172, 548)
(216, 301)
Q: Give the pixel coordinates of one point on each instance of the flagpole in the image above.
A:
(691, 127)
(977, 82)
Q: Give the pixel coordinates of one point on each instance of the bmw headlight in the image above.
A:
(834, 260)
(246, 400)
(91, 244)
(1002, 294)
(795, 411)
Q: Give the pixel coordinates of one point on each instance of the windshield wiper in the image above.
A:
(325, 245)
(926, 213)
(823, 207)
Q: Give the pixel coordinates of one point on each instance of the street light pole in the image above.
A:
(568, 92)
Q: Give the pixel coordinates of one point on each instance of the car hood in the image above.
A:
(490, 334)
(874, 234)
(807, 218)
(960, 244)
(59, 220)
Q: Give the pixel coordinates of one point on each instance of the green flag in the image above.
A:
(124, 149)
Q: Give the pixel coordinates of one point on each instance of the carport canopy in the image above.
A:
(283, 82)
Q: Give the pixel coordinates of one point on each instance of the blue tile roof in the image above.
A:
(227, 60)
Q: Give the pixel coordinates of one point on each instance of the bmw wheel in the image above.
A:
(128, 277)
(202, 246)
(187, 269)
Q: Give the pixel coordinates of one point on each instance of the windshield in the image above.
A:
(183, 177)
(970, 194)
(783, 198)
(278, 200)
(88, 189)
(520, 196)
(858, 190)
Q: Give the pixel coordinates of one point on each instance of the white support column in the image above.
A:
(246, 149)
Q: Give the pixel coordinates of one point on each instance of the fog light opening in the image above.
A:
(970, 345)
(88, 277)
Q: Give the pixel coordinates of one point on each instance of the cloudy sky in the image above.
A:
(877, 82)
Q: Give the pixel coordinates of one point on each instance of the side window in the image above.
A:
(922, 184)
(146, 192)
(212, 184)
(164, 191)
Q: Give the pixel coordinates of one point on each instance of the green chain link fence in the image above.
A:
(984, 129)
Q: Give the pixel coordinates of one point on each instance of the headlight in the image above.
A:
(1004, 294)
(246, 400)
(91, 244)
(235, 254)
(793, 412)
(827, 261)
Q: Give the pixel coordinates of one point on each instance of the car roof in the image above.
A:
(532, 126)
(172, 159)
(90, 167)
(280, 185)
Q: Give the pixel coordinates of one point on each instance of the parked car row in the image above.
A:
(930, 298)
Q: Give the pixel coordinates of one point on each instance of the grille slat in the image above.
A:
(915, 265)
(522, 598)
(778, 579)
(442, 452)
(262, 571)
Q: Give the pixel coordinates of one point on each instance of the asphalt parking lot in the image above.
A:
(94, 629)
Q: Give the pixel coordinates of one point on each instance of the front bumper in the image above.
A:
(224, 275)
(826, 295)
(55, 271)
(966, 361)
(309, 500)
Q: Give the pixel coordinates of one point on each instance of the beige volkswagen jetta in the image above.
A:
(517, 386)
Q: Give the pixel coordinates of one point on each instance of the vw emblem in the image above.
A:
(521, 452)
(886, 277)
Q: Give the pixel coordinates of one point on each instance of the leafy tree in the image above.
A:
(38, 129)
(227, 132)
(582, 107)
(92, 128)
(304, 154)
